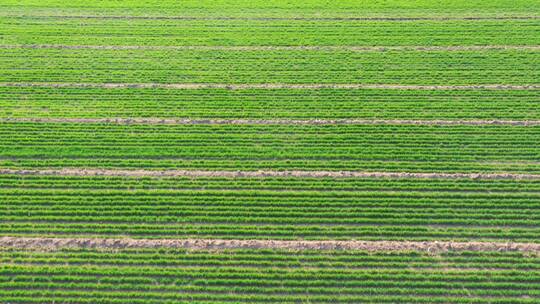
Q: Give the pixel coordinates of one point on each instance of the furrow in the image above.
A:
(277, 48)
(187, 121)
(268, 86)
(262, 174)
(217, 18)
(205, 244)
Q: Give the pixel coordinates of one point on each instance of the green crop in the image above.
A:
(265, 275)
(257, 147)
(90, 87)
(270, 103)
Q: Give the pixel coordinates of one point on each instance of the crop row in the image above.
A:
(268, 103)
(234, 67)
(233, 163)
(253, 292)
(273, 9)
(291, 32)
(161, 275)
(279, 231)
(254, 258)
(237, 147)
(400, 5)
(237, 215)
(28, 296)
(295, 208)
(272, 276)
(275, 208)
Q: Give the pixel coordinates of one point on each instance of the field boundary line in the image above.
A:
(314, 86)
(272, 224)
(276, 48)
(263, 173)
(187, 121)
(262, 18)
(217, 244)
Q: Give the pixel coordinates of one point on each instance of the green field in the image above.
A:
(102, 103)
(272, 208)
(327, 67)
(269, 103)
(263, 276)
(255, 147)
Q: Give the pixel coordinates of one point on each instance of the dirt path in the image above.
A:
(266, 86)
(262, 174)
(277, 48)
(202, 244)
(218, 18)
(180, 121)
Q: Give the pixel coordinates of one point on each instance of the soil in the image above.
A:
(180, 121)
(266, 86)
(213, 244)
(262, 174)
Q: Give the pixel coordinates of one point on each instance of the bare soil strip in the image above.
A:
(218, 18)
(317, 86)
(263, 174)
(260, 224)
(277, 48)
(186, 121)
(218, 244)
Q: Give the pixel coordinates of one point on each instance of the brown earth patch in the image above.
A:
(186, 121)
(262, 174)
(375, 18)
(267, 86)
(276, 48)
(218, 244)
